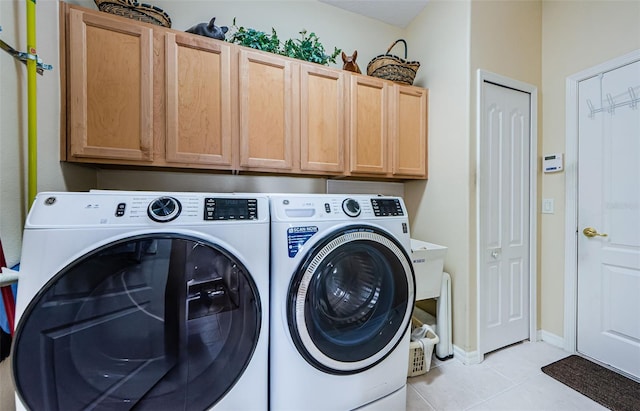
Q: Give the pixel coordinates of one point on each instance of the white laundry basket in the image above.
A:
(423, 339)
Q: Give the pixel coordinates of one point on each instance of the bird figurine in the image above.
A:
(350, 62)
(209, 30)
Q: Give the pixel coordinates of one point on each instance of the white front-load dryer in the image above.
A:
(342, 294)
(145, 301)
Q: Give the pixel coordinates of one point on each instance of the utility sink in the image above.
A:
(428, 263)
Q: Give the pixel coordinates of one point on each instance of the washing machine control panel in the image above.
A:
(146, 209)
(323, 207)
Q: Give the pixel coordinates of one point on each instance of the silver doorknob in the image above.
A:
(592, 232)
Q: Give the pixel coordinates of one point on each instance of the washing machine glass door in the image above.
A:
(350, 302)
(157, 322)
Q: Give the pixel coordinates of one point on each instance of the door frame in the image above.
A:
(532, 90)
(571, 196)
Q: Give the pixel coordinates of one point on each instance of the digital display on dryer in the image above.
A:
(386, 207)
(230, 209)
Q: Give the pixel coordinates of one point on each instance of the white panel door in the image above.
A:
(608, 327)
(504, 217)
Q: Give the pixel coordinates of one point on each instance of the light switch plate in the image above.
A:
(547, 206)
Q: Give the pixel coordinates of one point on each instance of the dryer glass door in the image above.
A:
(350, 302)
(157, 322)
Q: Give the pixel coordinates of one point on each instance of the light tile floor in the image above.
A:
(507, 379)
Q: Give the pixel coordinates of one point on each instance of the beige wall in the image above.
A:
(575, 37)
(439, 207)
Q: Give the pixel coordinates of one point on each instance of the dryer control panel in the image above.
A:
(387, 207)
(331, 206)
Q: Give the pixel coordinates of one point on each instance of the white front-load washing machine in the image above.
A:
(342, 294)
(145, 301)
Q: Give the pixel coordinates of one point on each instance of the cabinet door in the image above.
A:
(409, 131)
(111, 88)
(266, 111)
(199, 103)
(368, 126)
(322, 119)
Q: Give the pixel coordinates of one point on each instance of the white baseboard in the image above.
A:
(466, 357)
(551, 338)
(474, 357)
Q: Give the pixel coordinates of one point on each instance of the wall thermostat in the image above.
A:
(552, 163)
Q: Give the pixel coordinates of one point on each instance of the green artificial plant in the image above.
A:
(307, 48)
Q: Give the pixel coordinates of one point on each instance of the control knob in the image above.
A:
(164, 209)
(351, 207)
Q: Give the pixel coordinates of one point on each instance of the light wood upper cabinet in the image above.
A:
(408, 132)
(199, 101)
(388, 132)
(139, 94)
(266, 111)
(323, 111)
(110, 88)
(369, 136)
(292, 115)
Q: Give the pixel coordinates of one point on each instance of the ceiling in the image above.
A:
(395, 12)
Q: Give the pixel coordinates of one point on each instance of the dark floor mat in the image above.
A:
(606, 387)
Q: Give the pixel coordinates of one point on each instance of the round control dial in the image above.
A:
(164, 209)
(351, 207)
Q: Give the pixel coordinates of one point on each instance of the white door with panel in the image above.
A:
(608, 325)
(504, 213)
